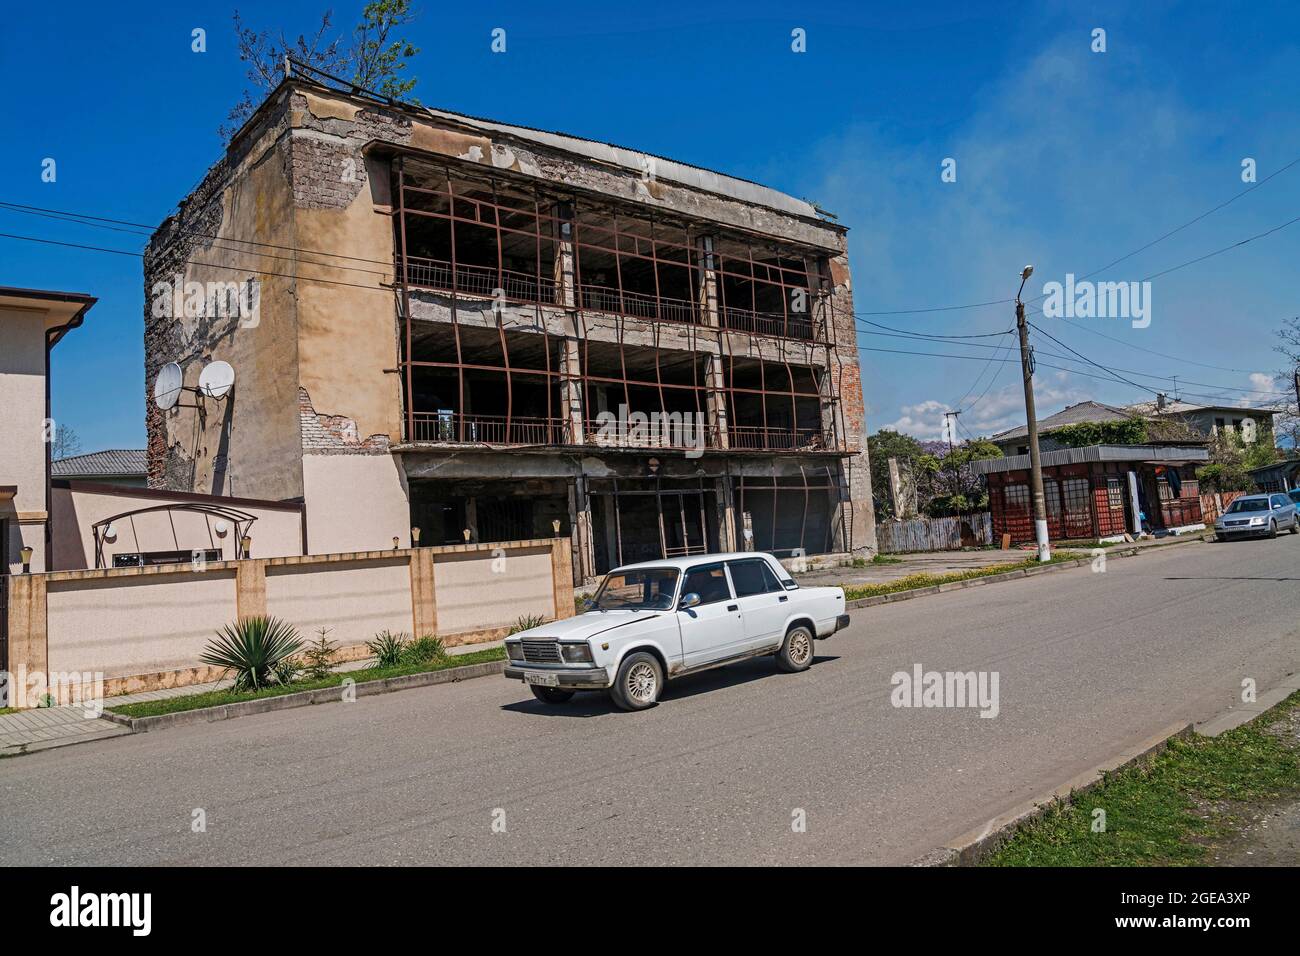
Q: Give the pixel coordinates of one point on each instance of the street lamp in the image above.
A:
(25, 553)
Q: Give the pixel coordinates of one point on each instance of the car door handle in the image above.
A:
(733, 607)
(782, 599)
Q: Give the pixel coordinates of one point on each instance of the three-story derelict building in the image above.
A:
(488, 332)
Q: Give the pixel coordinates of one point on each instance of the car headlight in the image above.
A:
(576, 653)
(1256, 520)
(514, 650)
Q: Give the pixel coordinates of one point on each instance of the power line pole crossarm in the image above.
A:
(1031, 419)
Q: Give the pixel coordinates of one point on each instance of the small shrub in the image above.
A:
(387, 648)
(257, 650)
(422, 650)
(527, 622)
(318, 658)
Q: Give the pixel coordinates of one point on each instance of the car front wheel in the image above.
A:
(639, 683)
(1272, 529)
(796, 653)
(551, 695)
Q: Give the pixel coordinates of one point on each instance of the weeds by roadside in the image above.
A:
(855, 592)
(1173, 810)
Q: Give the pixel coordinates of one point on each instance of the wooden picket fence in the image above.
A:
(935, 534)
(1211, 509)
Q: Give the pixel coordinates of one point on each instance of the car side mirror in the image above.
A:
(688, 601)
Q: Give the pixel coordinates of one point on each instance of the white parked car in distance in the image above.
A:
(660, 620)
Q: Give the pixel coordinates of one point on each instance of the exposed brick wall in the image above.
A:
(333, 432)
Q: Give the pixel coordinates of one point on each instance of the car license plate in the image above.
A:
(541, 680)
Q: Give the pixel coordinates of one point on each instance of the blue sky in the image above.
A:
(1065, 158)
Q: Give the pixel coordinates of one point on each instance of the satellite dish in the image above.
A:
(167, 386)
(217, 380)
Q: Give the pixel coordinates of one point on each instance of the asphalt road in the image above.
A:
(1088, 663)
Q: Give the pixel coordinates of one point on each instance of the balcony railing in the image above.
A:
(451, 428)
(768, 323)
(479, 280)
(670, 434)
(758, 438)
(595, 298)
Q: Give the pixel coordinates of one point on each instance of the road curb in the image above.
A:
(976, 845)
(912, 593)
(1237, 716)
(320, 695)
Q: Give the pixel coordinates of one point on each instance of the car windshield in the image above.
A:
(1247, 504)
(637, 589)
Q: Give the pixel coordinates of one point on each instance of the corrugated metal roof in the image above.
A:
(114, 461)
(1091, 453)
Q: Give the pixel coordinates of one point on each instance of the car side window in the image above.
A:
(753, 576)
(1280, 502)
(709, 581)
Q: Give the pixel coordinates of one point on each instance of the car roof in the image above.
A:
(1264, 494)
(693, 560)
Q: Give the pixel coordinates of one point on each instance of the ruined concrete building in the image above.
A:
(467, 328)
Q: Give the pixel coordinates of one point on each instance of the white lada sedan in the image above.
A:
(660, 620)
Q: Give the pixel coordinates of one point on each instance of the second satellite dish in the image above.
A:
(167, 386)
(217, 380)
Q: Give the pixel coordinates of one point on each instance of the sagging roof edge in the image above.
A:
(778, 201)
(381, 148)
(1095, 453)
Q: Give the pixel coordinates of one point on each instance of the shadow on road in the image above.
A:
(594, 703)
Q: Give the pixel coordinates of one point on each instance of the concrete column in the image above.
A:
(471, 518)
(562, 578)
(718, 436)
(708, 303)
(726, 514)
(571, 390)
(424, 603)
(565, 274)
(250, 588)
(583, 546)
(901, 490)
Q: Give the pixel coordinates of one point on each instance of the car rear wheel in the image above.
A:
(796, 653)
(1295, 525)
(551, 695)
(639, 682)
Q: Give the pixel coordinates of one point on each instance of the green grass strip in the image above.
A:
(215, 698)
(911, 582)
(1169, 811)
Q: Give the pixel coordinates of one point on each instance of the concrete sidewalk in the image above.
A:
(948, 562)
(28, 731)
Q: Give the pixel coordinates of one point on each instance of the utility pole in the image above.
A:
(1031, 419)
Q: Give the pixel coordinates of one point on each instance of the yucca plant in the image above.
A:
(527, 622)
(387, 648)
(422, 650)
(256, 650)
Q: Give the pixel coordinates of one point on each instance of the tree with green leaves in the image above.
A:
(373, 57)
